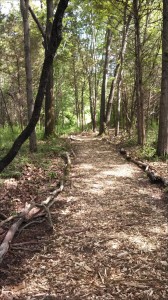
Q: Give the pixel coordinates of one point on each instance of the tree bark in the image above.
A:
(138, 76)
(49, 99)
(117, 127)
(82, 106)
(24, 7)
(76, 92)
(55, 40)
(102, 127)
(162, 147)
(92, 102)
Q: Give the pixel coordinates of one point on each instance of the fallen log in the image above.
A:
(10, 234)
(150, 171)
(31, 211)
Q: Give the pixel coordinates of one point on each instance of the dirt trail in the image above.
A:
(110, 235)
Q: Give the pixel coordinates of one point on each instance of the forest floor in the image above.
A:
(110, 238)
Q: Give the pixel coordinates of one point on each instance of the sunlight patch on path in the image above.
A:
(120, 171)
(86, 166)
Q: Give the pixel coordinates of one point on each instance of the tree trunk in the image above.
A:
(117, 127)
(20, 104)
(92, 103)
(49, 100)
(49, 106)
(5, 111)
(102, 127)
(138, 76)
(162, 147)
(118, 68)
(24, 7)
(82, 106)
(55, 40)
(94, 81)
(76, 93)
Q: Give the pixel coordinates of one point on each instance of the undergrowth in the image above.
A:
(148, 151)
(47, 148)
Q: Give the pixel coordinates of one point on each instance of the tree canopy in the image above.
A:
(131, 69)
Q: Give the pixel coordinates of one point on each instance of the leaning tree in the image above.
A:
(54, 42)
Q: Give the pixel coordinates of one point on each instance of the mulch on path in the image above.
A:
(110, 236)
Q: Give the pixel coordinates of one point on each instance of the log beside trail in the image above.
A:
(150, 171)
(33, 210)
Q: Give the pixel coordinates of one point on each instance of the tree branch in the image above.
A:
(37, 22)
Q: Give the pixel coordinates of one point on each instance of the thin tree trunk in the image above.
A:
(55, 40)
(49, 100)
(92, 103)
(118, 68)
(7, 113)
(138, 75)
(162, 147)
(24, 7)
(94, 74)
(117, 127)
(102, 127)
(77, 106)
(82, 106)
(20, 106)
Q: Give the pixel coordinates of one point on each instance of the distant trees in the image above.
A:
(106, 73)
(133, 93)
(54, 42)
(130, 92)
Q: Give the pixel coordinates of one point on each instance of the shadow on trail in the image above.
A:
(110, 238)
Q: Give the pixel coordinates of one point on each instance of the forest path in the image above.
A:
(116, 227)
(110, 232)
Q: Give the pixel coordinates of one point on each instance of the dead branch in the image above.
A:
(151, 172)
(33, 210)
(10, 234)
(30, 223)
(9, 219)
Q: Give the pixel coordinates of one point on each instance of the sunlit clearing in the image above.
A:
(120, 171)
